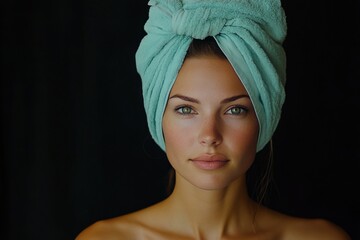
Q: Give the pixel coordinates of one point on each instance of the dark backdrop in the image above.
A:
(75, 145)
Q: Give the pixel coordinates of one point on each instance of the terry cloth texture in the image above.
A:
(249, 32)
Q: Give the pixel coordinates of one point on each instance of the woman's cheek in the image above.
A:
(242, 133)
(178, 132)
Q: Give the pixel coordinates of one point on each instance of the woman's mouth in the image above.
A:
(210, 162)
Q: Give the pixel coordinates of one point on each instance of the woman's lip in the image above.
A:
(209, 165)
(210, 157)
(210, 162)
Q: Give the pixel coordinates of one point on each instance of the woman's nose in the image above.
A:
(209, 134)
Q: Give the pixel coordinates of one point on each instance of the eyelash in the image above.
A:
(179, 110)
(242, 109)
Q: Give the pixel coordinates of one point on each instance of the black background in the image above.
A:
(75, 145)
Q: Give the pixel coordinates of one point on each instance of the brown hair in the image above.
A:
(207, 46)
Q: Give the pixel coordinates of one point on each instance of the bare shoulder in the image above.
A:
(314, 229)
(141, 224)
(122, 227)
(297, 228)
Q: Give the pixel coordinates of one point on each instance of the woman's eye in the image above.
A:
(237, 110)
(184, 110)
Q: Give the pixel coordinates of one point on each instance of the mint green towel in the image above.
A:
(249, 32)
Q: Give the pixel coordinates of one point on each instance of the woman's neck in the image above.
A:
(212, 212)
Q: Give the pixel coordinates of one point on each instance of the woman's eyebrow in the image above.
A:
(185, 98)
(226, 100)
(233, 98)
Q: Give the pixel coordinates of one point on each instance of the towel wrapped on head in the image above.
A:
(249, 32)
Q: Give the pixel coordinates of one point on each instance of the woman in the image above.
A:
(213, 95)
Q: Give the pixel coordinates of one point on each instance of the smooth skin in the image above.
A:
(210, 129)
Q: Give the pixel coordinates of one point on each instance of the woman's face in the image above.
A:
(209, 124)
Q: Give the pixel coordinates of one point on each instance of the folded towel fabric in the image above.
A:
(249, 32)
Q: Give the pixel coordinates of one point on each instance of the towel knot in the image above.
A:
(196, 23)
